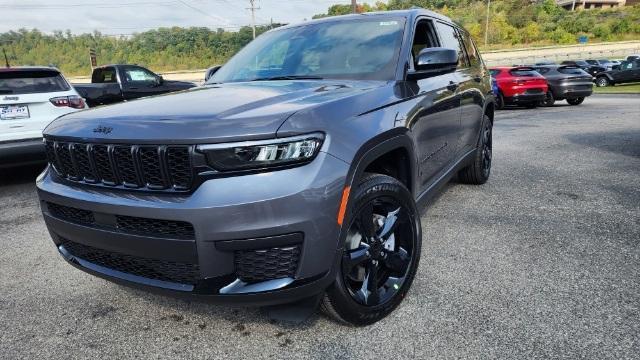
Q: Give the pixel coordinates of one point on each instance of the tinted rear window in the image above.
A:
(104, 75)
(523, 72)
(571, 71)
(31, 82)
(543, 70)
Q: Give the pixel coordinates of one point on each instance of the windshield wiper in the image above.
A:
(288, 77)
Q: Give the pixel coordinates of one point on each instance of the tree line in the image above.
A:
(512, 23)
(522, 22)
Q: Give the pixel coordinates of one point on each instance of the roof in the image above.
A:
(409, 13)
(21, 68)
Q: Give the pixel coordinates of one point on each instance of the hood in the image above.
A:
(208, 114)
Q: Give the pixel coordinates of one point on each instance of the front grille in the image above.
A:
(71, 214)
(177, 272)
(137, 225)
(148, 167)
(267, 264)
(125, 224)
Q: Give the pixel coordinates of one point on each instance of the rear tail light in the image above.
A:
(72, 101)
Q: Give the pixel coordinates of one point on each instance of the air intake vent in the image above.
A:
(268, 264)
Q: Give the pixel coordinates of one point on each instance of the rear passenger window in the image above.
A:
(450, 39)
(472, 52)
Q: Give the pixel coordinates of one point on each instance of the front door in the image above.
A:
(434, 119)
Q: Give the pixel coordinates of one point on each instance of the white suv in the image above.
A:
(30, 98)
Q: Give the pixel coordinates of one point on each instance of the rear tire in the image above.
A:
(575, 101)
(500, 101)
(392, 264)
(479, 171)
(549, 100)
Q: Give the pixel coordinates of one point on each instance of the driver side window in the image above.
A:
(136, 74)
(424, 37)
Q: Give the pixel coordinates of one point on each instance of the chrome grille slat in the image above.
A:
(143, 167)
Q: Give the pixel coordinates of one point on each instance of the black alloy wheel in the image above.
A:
(380, 255)
(575, 101)
(478, 171)
(376, 263)
(549, 100)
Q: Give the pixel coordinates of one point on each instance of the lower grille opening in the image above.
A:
(126, 224)
(267, 264)
(71, 214)
(171, 271)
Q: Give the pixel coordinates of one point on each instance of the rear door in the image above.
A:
(472, 92)
(25, 102)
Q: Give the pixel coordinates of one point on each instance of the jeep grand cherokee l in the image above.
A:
(293, 173)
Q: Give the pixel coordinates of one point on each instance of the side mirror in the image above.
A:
(434, 61)
(211, 71)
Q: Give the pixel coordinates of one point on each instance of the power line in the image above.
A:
(199, 10)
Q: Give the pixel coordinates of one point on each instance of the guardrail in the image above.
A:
(618, 50)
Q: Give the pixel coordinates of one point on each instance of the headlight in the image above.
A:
(263, 154)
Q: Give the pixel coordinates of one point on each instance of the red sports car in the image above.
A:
(519, 86)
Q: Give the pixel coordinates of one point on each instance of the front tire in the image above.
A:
(478, 172)
(380, 255)
(575, 101)
(603, 81)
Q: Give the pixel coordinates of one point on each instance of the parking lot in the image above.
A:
(542, 261)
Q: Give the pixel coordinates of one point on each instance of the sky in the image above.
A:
(130, 16)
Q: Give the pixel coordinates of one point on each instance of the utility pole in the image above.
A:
(354, 6)
(573, 5)
(486, 26)
(253, 9)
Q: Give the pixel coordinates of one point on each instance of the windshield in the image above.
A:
(31, 81)
(363, 49)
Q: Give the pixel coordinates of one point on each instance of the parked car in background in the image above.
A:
(626, 72)
(30, 98)
(115, 83)
(292, 174)
(545, 63)
(520, 85)
(591, 69)
(633, 57)
(606, 64)
(565, 83)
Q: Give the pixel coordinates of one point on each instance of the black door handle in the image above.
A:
(452, 86)
(133, 88)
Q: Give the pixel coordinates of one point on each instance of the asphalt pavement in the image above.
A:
(543, 261)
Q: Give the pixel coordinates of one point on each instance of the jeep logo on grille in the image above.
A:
(11, 98)
(103, 130)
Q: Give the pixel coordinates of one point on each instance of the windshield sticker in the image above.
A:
(388, 23)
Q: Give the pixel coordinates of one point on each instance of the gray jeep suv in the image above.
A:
(293, 173)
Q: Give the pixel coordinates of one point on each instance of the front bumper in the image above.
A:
(21, 152)
(229, 216)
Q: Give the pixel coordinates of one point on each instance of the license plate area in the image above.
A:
(13, 112)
